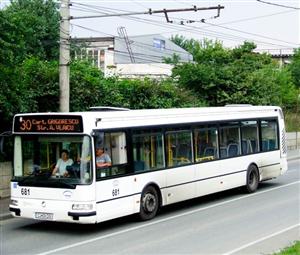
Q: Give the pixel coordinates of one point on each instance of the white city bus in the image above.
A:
(158, 157)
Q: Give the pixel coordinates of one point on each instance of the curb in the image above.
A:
(293, 158)
(5, 216)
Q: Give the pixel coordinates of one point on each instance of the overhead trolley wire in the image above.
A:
(141, 44)
(279, 5)
(191, 29)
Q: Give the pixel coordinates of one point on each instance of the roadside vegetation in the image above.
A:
(29, 36)
(292, 121)
(292, 250)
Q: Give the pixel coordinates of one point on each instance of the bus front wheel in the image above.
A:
(252, 179)
(149, 203)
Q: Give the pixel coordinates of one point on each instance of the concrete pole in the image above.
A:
(64, 57)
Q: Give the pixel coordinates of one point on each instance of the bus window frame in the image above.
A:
(190, 127)
(54, 135)
(128, 164)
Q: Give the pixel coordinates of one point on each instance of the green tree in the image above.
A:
(294, 67)
(38, 84)
(29, 28)
(223, 76)
(147, 93)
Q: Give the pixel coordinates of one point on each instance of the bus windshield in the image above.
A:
(52, 161)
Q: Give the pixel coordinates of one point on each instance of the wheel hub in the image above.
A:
(149, 202)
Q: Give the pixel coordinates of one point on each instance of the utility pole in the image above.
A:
(64, 57)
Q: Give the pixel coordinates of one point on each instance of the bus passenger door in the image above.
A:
(114, 189)
(181, 172)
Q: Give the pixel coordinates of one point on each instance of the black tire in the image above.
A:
(149, 203)
(252, 179)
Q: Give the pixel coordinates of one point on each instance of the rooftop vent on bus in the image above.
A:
(238, 105)
(107, 109)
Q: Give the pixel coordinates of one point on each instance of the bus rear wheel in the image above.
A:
(149, 203)
(252, 179)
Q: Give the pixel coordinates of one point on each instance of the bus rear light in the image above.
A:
(82, 207)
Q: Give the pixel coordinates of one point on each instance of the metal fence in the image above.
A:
(293, 140)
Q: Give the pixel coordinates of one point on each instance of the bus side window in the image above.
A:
(269, 135)
(179, 148)
(249, 133)
(206, 143)
(147, 150)
(113, 145)
(230, 145)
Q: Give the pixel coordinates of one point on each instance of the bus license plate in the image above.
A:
(43, 216)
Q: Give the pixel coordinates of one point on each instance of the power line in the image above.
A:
(194, 29)
(178, 30)
(142, 45)
(279, 5)
(170, 52)
(244, 32)
(237, 21)
(137, 3)
(241, 31)
(150, 12)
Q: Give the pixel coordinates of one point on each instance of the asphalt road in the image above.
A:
(230, 222)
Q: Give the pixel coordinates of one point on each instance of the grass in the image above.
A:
(292, 250)
(292, 121)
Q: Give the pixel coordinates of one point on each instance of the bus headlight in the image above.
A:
(81, 207)
(14, 202)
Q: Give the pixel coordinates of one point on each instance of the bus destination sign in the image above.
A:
(48, 124)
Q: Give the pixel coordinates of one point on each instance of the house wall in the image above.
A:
(148, 58)
(5, 177)
(144, 51)
(139, 70)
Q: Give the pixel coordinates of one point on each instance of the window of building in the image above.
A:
(159, 44)
(179, 148)
(206, 143)
(95, 56)
(249, 133)
(102, 59)
(148, 151)
(229, 140)
(269, 139)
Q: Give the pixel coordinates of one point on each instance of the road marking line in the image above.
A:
(261, 239)
(292, 171)
(162, 220)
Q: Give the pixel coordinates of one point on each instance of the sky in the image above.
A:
(271, 27)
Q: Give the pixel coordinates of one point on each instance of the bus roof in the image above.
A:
(111, 119)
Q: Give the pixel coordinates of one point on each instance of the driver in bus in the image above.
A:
(62, 164)
(102, 158)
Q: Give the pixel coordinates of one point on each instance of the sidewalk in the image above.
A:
(293, 154)
(4, 202)
(4, 212)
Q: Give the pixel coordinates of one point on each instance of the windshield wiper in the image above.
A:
(63, 184)
(47, 183)
(39, 175)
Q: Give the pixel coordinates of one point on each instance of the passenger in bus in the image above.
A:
(102, 158)
(62, 164)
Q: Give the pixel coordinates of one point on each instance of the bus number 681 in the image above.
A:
(115, 192)
(25, 192)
